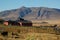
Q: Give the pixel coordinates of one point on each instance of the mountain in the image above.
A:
(31, 13)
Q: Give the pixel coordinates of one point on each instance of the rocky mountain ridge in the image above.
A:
(31, 13)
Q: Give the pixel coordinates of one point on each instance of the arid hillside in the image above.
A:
(31, 13)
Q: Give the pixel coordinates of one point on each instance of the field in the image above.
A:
(29, 33)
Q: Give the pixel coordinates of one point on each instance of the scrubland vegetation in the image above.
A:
(29, 33)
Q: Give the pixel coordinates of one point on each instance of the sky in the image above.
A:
(14, 4)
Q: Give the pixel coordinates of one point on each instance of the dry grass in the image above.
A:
(29, 33)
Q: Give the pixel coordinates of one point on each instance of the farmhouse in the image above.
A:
(18, 23)
(25, 23)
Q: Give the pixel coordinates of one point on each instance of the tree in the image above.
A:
(20, 19)
(1, 21)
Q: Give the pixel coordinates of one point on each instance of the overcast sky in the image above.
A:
(14, 4)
